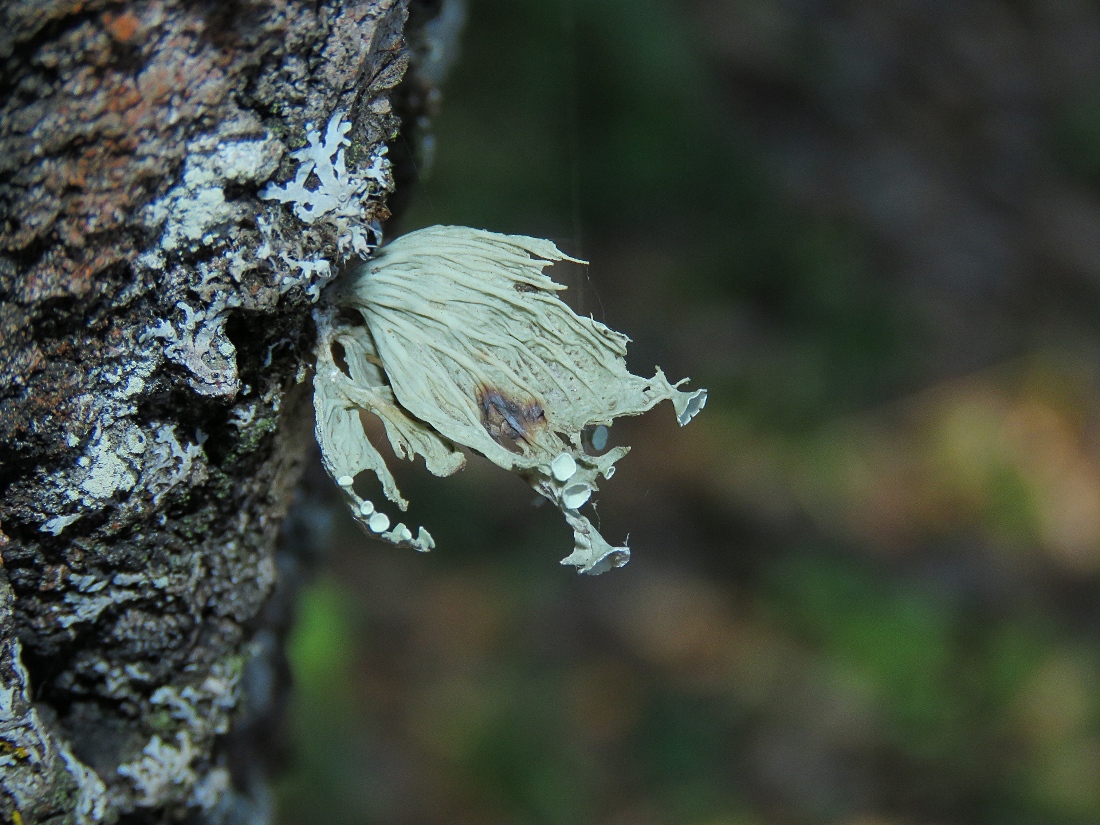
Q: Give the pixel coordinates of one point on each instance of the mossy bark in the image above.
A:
(153, 346)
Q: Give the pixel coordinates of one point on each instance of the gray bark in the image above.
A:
(154, 338)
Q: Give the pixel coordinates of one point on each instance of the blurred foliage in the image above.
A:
(864, 588)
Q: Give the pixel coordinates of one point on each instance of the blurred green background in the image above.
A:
(865, 580)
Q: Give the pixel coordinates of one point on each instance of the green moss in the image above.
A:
(161, 722)
(294, 139)
(194, 527)
(254, 434)
(356, 153)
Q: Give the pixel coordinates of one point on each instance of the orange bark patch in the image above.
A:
(122, 26)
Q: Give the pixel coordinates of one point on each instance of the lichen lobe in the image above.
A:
(478, 350)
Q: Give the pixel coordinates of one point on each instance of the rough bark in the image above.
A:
(154, 335)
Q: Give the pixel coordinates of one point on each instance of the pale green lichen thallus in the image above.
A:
(465, 342)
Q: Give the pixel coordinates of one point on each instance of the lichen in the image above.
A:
(465, 342)
(169, 462)
(30, 747)
(208, 702)
(196, 212)
(313, 274)
(200, 345)
(161, 767)
(120, 458)
(323, 189)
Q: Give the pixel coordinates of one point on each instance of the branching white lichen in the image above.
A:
(465, 342)
(200, 344)
(211, 700)
(169, 764)
(55, 525)
(160, 767)
(28, 747)
(211, 789)
(324, 190)
(315, 274)
(169, 462)
(86, 607)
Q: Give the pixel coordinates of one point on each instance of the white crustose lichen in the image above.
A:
(464, 341)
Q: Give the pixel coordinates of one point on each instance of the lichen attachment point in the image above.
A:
(464, 342)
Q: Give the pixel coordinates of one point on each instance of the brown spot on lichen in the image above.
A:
(506, 420)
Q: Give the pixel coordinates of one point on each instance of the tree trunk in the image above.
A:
(154, 339)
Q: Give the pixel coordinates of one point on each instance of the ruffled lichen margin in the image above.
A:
(462, 340)
(154, 326)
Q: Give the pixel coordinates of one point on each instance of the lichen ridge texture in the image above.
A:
(454, 337)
